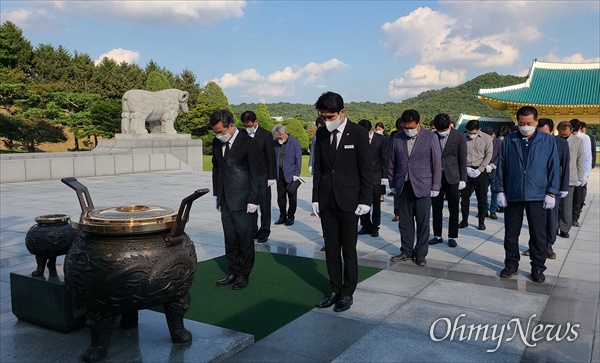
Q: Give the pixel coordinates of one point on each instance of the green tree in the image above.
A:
(186, 81)
(15, 50)
(157, 81)
(295, 128)
(264, 117)
(106, 116)
(196, 121)
(81, 73)
(51, 65)
(75, 115)
(29, 132)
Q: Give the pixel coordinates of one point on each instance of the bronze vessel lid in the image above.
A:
(127, 219)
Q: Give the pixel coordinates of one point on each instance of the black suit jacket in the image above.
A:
(454, 157)
(379, 154)
(347, 173)
(593, 141)
(267, 153)
(564, 159)
(237, 179)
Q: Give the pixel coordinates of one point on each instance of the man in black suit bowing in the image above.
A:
(342, 191)
(454, 178)
(369, 222)
(236, 179)
(267, 177)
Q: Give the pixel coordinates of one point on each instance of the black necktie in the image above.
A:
(226, 150)
(334, 141)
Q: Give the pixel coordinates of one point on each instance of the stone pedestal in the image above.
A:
(45, 301)
(156, 136)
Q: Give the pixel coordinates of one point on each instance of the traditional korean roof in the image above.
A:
(494, 122)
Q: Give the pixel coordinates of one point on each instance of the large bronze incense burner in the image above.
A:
(129, 258)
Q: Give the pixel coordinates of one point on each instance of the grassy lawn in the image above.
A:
(207, 164)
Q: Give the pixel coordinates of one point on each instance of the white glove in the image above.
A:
(501, 200)
(462, 185)
(434, 193)
(294, 178)
(488, 169)
(384, 181)
(563, 194)
(310, 169)
(362, 209)
(251, 208)
(315, 207)
(476, 173)
(584, 181)
(493, 166)
(470, 172)
(271, 182)
(217, 205)
(549, 202)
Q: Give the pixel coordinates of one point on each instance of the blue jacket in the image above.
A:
(530, 181)
(292, 159)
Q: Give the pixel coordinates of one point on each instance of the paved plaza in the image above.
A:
(404, 313)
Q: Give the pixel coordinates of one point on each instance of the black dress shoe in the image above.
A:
(240, 283)
(481, 226)
(323, 248)
(435, 241)
(421, 261)
(289, 221)
(363, 230)
(493, 216)
(328, 301)
(537, 275)
(500, 210)
(281, 220)
(463, 224)
(343, 304)
(262, 239)
(228, 280)
(375, 234)
(509, 271)
(564, 234)
(452, 242)
(401, 257)
(575, 223)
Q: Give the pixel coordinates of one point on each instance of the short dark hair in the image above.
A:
(488, 130)
(399, 123)
(565, 124)
(504, 130)
(410, 116)
(319, 121)
(514, 128)
(380, 124)
(582, 125)
(330, 101)
(472, 125)
(546, 121)
(441, 121)
(526, 111)
(248, 116)
(221, 115)
(576, 124)
(366, 124)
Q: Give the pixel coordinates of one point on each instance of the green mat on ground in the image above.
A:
(281, 288)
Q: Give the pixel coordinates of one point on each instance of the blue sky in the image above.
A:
(292, 51)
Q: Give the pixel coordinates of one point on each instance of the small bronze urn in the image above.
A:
(129, 258)
(50, 237)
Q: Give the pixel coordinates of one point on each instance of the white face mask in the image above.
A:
(527, 130)
(472, 136)
(380, 132)
(443, 133)
(333, 124)
(251, 130)
(411, 132)
(223, 137)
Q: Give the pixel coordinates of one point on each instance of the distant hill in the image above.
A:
(450, 100)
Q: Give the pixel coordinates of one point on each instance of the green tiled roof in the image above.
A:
(553, 84)
(494, 122)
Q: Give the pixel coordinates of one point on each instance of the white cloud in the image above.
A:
(120, 55)
(423, 77)
(279, 83)
(438, 38)
(574, 58)
(35, 18)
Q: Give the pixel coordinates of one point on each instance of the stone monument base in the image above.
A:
(154, 136)
(45, 301)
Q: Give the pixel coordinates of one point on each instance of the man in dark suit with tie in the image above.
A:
(267, 178)
(454, 178)
(378, 143)
(342, 191)
(415, 175)
(236, 177)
